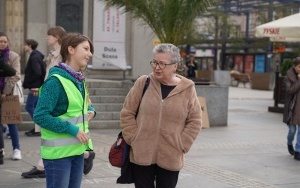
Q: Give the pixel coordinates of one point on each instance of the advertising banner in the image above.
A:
(108, 37)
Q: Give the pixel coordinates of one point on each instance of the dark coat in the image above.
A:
(35, 70)
(292, 87)
(191, 69)
(5, 68)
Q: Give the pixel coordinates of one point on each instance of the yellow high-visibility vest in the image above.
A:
(60, 145)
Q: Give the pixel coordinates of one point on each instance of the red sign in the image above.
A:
(248, 63)
(272, 31)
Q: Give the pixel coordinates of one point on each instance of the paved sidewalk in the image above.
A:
(250, 152)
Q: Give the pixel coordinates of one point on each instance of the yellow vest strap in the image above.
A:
(60, 142)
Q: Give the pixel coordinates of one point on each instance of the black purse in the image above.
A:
(126, 170)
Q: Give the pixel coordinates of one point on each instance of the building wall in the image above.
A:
(38, 23)
(2, 16)
(141, 49)
(14, 24)
(41, 16)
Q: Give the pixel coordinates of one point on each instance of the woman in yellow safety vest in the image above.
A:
(62, 112)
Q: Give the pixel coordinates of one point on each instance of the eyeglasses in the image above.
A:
(160, 64)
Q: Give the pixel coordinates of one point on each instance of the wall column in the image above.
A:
(14, 24)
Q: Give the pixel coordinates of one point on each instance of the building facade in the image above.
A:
(22, 19)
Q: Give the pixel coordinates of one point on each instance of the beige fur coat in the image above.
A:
(164, 130)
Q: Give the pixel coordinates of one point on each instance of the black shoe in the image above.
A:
(1, 157)
(29, 132)
(297, 156)
(32, 133)
(34, 173)
(291, 149)
(88, 163)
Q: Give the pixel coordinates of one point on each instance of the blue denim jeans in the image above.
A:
(65, 172)
(14, 135)
(291, 135)
(31, 103)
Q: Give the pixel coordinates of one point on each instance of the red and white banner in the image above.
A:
(108, 37)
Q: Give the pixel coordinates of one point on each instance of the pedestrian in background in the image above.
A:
(7, 85)
(35, 72)
(5, 71)
(192, 66)
(291, 114)
(168, 121)
(54, 37)
(63, 114)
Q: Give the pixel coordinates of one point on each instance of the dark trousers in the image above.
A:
(1, 131)
(144, 177)
(1, 137)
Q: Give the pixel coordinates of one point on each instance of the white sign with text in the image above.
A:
(108, 37)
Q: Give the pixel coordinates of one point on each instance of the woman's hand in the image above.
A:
(82, 137)
(34, 91)
(91, 115)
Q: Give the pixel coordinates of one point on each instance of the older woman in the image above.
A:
(168, 121)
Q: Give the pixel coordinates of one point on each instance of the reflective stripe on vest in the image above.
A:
(77, 120)
(65, 141)
(60, 142)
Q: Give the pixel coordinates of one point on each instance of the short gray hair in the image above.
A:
(168, 48)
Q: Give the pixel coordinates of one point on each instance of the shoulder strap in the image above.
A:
(146, 85)
(144, 90)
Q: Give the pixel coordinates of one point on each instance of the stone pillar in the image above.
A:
(2, 16)
(14, 24)
(37, 24)
(217, 103)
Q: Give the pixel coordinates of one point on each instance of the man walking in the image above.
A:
(35, 72)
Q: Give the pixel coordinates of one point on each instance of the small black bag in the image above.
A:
(126, 170)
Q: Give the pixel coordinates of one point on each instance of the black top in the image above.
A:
(5, 68)
(35, 70)
(165, 90)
